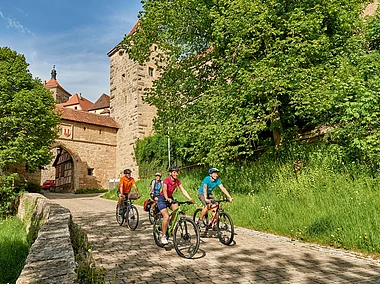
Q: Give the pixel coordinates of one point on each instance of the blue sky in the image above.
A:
(75, 36)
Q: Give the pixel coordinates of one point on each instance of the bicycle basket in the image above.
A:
(133, 196)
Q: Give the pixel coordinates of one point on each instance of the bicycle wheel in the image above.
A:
(202, 228)
(157, 229)
(152, 213)
(225, 228)
(186, 238)
(133, 218)
(119, 218)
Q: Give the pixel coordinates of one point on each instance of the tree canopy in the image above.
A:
(28, 123)
(240, 75)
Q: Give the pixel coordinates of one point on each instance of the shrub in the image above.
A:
(10, 189)
(33, 187)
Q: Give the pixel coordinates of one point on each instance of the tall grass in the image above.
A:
(330, 200)
(13, 249)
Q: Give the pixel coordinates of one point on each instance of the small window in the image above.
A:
(150, 72)
(90, 171)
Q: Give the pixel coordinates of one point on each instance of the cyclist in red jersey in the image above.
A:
(170, 185)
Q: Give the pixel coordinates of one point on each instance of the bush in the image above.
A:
(33, 187)
(10, 189)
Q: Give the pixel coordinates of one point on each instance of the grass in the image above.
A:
(14, 249)
(326, 202)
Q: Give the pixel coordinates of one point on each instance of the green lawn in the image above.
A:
(13, 249)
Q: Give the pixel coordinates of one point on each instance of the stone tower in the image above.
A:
(59, 94)
(128, 79)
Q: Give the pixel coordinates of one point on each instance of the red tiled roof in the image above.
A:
(53, 83)
(86, 117)
(102, 102)
(84, 103)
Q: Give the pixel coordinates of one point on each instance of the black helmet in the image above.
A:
(213, 170)
(173, 169)
(127, 171)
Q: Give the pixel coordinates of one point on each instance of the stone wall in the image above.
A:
(128, 81)
(91, 147)
(51, 257)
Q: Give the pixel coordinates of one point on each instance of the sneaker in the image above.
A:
(164, 240)
(120, 212)
(214, 228)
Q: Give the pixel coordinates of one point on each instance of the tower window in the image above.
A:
(150, 72)
(90, 171)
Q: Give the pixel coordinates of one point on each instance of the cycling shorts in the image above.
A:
(162, 203)
(201, 197)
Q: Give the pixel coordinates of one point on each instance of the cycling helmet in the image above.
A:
(127, 171)
(213, 170)
(158, 174)
(173, 169)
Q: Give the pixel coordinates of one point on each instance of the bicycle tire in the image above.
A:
(133, 218)
(157, 229)
(186, 237)
(152, 213)
(202, 230)
(119, 218)
(225, 228)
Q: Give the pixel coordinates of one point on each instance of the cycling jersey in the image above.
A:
(157, 186)
(127, 183)
(171, 186)
(210, 185)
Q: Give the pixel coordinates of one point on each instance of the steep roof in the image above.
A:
(118, 46)
(86, 117)
(77, 99)
(102, 102)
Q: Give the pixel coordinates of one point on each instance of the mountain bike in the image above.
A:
(221, 222)
(185, 232)
(130, 214)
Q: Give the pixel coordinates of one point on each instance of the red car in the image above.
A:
(49, 183)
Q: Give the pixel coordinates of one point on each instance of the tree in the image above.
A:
(240, 75)
(28, 122)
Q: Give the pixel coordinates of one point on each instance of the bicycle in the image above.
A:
(129, 214)
(221, 222)
(152, 212)
(185, 232)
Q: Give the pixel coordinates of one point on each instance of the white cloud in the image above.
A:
(15, 24)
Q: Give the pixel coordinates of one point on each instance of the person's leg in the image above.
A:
(205, 209)
(165, 221)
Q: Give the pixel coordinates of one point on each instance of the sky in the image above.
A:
(75, 36)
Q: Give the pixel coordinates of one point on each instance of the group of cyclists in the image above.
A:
(161, 191)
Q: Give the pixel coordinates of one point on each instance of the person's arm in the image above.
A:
(136, 189)
(226, 192)
(151, 187)
(121, 190)
(185, 193)
(165, 191)
(205, 193)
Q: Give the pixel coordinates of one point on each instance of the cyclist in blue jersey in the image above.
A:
(155, 189)
(206, 188)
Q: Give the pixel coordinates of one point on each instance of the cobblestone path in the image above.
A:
(132, 256)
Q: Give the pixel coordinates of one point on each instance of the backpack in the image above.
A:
(147, 205)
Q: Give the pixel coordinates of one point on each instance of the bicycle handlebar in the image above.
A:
(181, 202)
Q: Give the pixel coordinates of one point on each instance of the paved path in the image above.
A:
(132, 256)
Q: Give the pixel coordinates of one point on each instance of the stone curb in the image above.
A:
(51, 257)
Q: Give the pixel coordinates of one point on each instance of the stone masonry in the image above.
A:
(51, 257)
(128, 81)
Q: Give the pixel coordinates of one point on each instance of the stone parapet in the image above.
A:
(51, 257)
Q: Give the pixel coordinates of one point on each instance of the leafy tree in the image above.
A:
(240, 75)
(28, 123)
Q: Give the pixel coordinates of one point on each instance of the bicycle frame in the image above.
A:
(176, 212)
